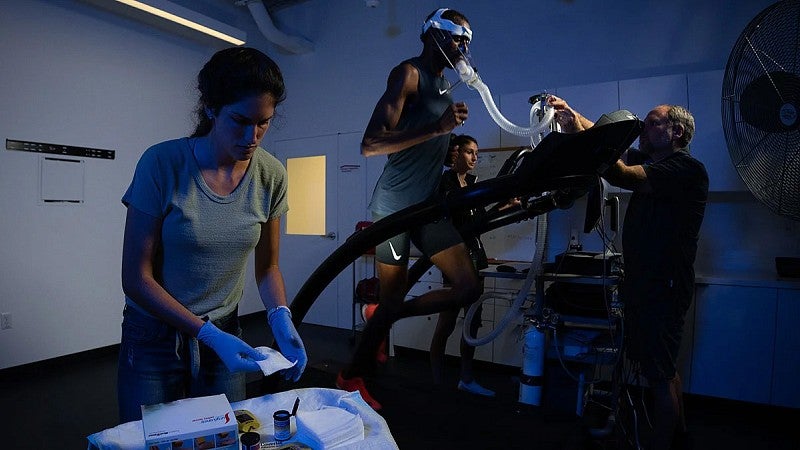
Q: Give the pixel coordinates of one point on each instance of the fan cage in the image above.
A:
(762, 136)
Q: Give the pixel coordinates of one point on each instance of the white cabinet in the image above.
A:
(507, 347)
(416, 332)
(482, 352)
(733, 347)
(786, 367)
(745, 342)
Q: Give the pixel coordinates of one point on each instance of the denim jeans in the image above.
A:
(156, 365)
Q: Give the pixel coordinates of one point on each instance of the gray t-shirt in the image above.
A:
(206, 238)
(412, 175)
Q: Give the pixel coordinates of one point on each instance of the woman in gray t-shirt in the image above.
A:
(197, 208)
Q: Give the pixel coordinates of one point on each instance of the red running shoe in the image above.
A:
(367, 310)
(357, 384)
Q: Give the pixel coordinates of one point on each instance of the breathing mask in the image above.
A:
(445, 30)
(448, 30)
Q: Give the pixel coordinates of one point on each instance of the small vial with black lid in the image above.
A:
(283, 427)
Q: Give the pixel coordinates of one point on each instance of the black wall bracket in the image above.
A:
(59, 149)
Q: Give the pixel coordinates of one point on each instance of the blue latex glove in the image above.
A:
(289, 342)
(234, 352)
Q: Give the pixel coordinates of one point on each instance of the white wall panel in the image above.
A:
(708, 145)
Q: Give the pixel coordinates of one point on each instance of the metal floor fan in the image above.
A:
(761, 107)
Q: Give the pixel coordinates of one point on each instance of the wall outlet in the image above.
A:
(5, 321)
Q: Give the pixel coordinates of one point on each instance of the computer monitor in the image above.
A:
(596, 201)
(594, 206)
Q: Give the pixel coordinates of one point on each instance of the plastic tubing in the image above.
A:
(519, 300)
(471, 78)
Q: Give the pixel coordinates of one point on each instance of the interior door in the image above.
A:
(301, 254)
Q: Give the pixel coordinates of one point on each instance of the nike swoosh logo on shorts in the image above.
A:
(394, 253)
(442, 91)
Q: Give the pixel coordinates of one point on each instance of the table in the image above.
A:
(130, 435)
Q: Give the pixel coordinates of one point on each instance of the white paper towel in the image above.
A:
(275, 361)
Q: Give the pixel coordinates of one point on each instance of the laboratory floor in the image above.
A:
(57, 403)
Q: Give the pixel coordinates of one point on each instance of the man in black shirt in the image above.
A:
(659, 240)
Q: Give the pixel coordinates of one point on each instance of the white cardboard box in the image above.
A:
(191, 423)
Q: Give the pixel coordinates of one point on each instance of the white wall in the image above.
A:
(76, 74)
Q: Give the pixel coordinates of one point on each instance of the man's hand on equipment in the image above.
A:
(571, 121)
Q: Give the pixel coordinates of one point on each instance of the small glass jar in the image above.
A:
(283, 425)
(250, 441)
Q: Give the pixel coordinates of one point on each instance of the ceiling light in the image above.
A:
(188, 18)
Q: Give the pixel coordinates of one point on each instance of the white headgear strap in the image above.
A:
(436, 21)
